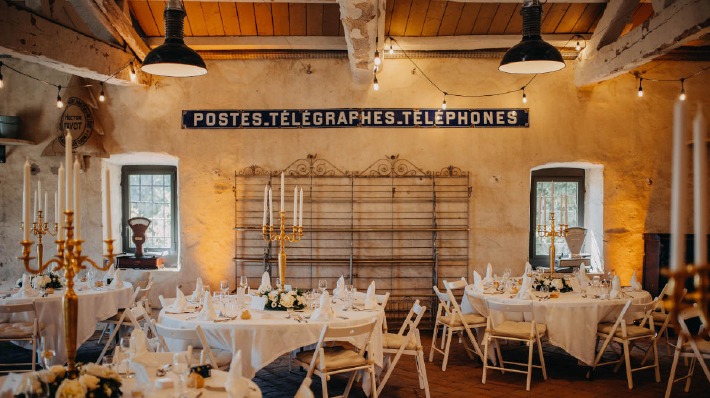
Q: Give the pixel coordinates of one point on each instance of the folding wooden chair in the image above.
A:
(194, 337)
(627, 334)
(697, 350)
(528, 332)
(406, 344)
(326, 360)
(14, 329)
(134, 317)
(117, 319)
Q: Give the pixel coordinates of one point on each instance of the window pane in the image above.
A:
(149, 196)
(565, 206)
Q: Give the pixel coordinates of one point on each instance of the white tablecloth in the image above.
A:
(94, 305)
(269, 334)
(571, 319)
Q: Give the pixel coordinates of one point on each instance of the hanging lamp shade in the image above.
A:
(173, 58)
(532, 54)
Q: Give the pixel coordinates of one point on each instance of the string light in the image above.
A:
(376, 69)
(132, 73)
(102, 97)
(378, 61)
(443, 104)
(391, 47)
(60, 103)
(640, 87)
(682, 90)
(375, 84)
(1, 82)
(525, 97)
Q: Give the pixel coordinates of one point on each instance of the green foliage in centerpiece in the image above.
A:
(279, 300)
(553, 283)
(94, 381)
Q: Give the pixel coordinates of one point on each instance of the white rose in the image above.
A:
(273, 295)
(557, 283)
(100, 371)
(46, 376)
(546, 282)
(58, 370)
(287, 300)
(71, 388)
(89, 381)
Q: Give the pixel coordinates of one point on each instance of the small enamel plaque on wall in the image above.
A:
(340, 118)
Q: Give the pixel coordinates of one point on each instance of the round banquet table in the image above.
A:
(268, 334)
(95, 305)
(571, 319)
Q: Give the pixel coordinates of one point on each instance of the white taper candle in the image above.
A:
(282, 192)
(39, 195)
(34, 212)
(62, 197)
(77, 200)
(26, 201)
(271, 208)
(295, 207)
(300, 210)
(701, 187)
(107, 206)
(56, 208)
(44, 208)
(266, 193)
(679, 187)
(68, 186)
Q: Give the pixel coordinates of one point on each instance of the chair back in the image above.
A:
(455, 307)
(444, 307)
(188, 336)
(11, 309)
(411, 322)
(512, 311)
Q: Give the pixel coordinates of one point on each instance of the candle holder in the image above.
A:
(70, 259)
(544, 232)
(282, 237)
(39, 229)
(680, 298)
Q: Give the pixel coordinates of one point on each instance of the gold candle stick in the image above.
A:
(39, 229)
(552, 233)
(282, 237)
(70, 259)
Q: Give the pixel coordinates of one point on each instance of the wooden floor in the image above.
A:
(463, 377)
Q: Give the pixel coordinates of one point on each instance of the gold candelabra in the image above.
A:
(70, 259)
(544, 232)
(39, 229)
(282, 237)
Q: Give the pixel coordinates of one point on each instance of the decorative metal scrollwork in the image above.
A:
(451, 171)
(311, 166)
(393, 166)
(252, 171)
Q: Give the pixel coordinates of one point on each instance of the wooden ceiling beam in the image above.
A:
(360, 23)
(458, 1)
(335, 43)
(616, 15)
(120, 22)
(35, 39)
(680, 22)
(98, 24)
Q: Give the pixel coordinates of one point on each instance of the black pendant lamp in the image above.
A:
(532, 54)
(173, 58)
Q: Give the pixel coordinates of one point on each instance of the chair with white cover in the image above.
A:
(18, 322)
(134, 317)
(117, 319)
(326, 360)
(219, 359)
(453, 320)
(697, 350)
(627, 334)
(512, 328)
(406, 342)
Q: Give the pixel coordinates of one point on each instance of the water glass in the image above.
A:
(322, 285)
(47, 354)
(107, 361)
(350, 295)
(206, 289)
(181, 368)
(127, 355)
(224, 287)
(243, 282)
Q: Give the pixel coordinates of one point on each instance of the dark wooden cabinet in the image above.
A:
(656, 253)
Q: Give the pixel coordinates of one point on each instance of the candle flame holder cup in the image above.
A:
(282, 237)
(552, 232)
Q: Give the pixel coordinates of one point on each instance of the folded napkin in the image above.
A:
(180, 302)
(635, 285)
(528, 269)
(138, 341)
(236, 385)
(258, 302)
(371, 298)
(582, 277)
(26, 290)
(199, 289)
(488, 280)
(477, 282)
(116, 283)
(339, 291)
(265, 282)
(525, 287)
(208, 312)
(324, 312)
(111, 272)
(615, 287)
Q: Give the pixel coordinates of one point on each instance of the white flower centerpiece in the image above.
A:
(44, 281)
(553, 283)
(93, 381)
(279, 300)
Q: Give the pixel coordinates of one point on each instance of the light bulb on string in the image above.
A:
(391, 51)
(682, 90)
(443, 104)
(132, 73)
(60, 103)
(376, 69)
(525, 97)
(1, 82)
(640, 92)
(375, 84)
(378, 61)
(102, 97)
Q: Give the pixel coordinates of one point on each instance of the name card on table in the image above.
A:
(350, 117)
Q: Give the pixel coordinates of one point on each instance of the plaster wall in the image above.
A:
(606, 124)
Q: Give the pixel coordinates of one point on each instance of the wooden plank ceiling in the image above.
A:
(412, 18)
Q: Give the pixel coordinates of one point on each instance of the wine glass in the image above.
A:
(244, 282)
(224, 288)
(47, 354)
(181, 367)
(322, 285)
(127, 355)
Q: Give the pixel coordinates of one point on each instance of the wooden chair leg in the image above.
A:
(449, 337)
(655, 358)
(433, 342)
(350, 384)
(671, 378)
(530, 358)
(324, 384)
(691, 371)
(422, 373)
(627, 360)
(372, 376)
(485, 363)
(542, 358)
